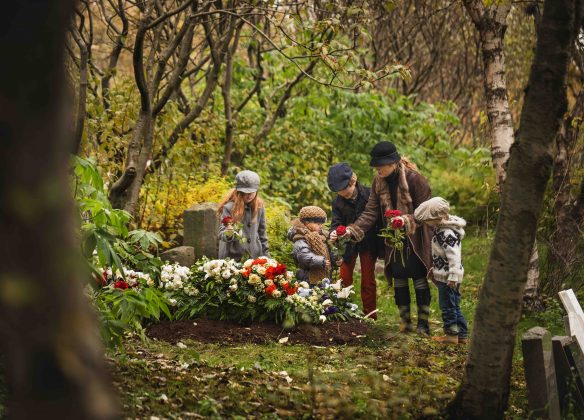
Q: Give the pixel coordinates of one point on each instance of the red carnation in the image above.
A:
(341, 230)
(121, 284)
(291, 290)
(397, 223)
(280, 269)
(270, 289)
(269, 274)
(389, 213)
(246, 273)
(260, 261)
(226, 221)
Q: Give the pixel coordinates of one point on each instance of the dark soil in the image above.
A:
(210, 331)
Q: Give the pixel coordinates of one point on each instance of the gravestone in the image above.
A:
(201, 225)
(184, 255)
(540, 374)
(570, 387)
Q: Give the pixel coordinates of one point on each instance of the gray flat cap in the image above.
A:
(247, 181)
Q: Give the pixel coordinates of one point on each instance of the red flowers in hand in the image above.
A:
(397, 223)
(226, 221)
(341, 230)
(389, 213)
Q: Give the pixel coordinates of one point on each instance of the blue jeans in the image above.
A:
(449, 300)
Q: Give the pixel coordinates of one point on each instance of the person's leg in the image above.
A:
(347, 268)
(423, 301)
(447, 301)
(460, 319)
(402, 300)
(368, 285)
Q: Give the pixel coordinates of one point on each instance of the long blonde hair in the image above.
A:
(409, 164)
(239, 205)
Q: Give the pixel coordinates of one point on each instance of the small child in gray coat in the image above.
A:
(310, 251)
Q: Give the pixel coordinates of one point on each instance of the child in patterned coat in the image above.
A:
(447, 265)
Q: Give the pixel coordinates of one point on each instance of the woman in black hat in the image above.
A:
(399, 186)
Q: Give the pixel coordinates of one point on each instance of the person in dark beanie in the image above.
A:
(399, 186)
(347, 206)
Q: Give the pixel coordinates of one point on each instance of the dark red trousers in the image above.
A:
(368, 286)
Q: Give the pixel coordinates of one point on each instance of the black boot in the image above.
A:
(402, 300)
(423, 301)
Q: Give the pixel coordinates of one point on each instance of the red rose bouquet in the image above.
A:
(339, 247)
(393, 232)
(232, 230)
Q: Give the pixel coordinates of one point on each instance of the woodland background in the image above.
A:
(171, 98)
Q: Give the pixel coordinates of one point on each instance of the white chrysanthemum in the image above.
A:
(252, 299)
(260, 270)
(247, 263)
(233, 287)
(172, 302)
(276, 293)
(268, 282)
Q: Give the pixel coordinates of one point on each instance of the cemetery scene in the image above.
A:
(293, 209)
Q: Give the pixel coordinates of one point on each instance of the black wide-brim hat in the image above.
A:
(384, 153)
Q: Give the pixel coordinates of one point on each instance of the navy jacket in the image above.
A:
(346, 212)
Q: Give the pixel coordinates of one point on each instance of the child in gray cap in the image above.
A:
(447, 265)
(243, 206)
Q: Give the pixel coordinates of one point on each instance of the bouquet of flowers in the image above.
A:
(130, 279)
(393, 232)
(233, 230)
(340, 245)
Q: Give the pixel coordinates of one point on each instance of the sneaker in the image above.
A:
(446, 339)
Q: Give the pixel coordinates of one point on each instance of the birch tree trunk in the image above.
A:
(51, 349)
(491, 23)
(484, 391)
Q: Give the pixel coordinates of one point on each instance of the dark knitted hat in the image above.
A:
(384, 153)
(339, 176)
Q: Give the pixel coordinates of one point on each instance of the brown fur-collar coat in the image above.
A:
(412, 190)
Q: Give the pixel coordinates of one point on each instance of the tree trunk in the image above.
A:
(491, 23)
(51, 349)
(484, 391)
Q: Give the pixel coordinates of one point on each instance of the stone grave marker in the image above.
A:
(201, 225)
(540, 373)
(570, 387)
(184, 255)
